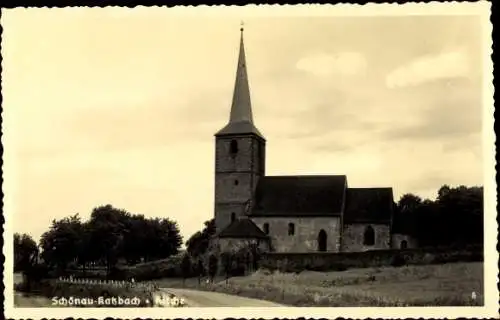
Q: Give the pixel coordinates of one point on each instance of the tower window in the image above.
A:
(266, 228)
(236, 182)
(233, 216)
(291, 229)
(233, 147)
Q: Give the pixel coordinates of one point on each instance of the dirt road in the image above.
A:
(195, 298)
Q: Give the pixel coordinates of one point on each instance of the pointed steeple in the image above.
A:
(241, 108)
(241, 117)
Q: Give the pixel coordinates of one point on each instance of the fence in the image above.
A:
(155, 296)
(113, 283)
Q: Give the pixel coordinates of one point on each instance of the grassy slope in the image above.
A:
(446, 284)
(22, 300)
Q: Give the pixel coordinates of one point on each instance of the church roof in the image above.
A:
(237, 128)
(299, 195)
(241, 117)
(243, 228)
(369, 205)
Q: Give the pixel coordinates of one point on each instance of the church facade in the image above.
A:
(307, 213)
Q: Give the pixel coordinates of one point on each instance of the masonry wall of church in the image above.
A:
(306, 232)
(234, 244)
(236, 176)
(244, 160)
(354, 237)
(400, 241)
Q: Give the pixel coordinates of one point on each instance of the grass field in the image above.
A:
(28, 301)
(432, 285)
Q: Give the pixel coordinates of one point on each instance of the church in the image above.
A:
(295, 214)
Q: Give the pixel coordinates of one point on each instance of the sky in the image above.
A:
(109, 106)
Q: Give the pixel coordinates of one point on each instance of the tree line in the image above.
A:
(109, 237)
(455, 218)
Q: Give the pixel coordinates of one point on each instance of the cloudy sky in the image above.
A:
(120, 106)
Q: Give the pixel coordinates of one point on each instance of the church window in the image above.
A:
(404, 244)
(322, 240)
(233, 147)
(369, 236)
(291, 229)
(233, 216)
(266, 228)
(236, 182)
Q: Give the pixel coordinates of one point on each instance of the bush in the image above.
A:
(165, 268)
(398, 261)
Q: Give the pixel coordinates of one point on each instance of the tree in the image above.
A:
(455, 218)
(61, 244)
(461, 210)
(239, 262)
(186, 266)
(135, 237)
(106, 240)
(197, 245)
(200, 270)
(212, 266)
(85, 255)
(255, 255)
(25, 252)
(227, 264)
(408, 203)
(110, 235)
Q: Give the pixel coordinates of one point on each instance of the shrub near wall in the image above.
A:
(165, 268)
(325, 261)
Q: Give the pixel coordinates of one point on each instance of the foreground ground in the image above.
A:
(197, 298)
(450, 284)
(193, 298)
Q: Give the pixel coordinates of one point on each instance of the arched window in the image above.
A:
(369, 236)
(233, 147)
(404, 244)
(291, 229)
(322, 240)
(233, 216)
(236, 182)
(266, 228)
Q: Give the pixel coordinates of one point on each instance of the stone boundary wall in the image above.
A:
(327, 261)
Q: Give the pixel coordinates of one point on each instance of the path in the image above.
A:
(196, 298)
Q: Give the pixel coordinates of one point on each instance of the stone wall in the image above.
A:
(329, 261)
(353, 237)
(236, 176)
(246, 159)
(234, 244)
(305, 238)
(397, 241)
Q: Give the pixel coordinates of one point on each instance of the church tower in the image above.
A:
(239, 154)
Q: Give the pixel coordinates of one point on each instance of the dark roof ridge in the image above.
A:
(242, 228)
